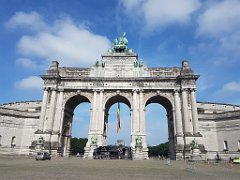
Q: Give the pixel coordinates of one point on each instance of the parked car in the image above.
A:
(236, 160)
(43, 156)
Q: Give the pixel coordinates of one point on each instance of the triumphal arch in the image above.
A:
(119, 77)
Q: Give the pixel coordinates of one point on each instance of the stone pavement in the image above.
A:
(75, 168)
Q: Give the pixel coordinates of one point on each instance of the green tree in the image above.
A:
(77, 145)
(161, 149)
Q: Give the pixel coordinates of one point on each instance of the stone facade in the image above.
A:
(217, 123)
(220, 126)
(18, 123)
(120, 77)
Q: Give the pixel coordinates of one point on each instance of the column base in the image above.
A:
(195, 156)
(88, 153)
(139, 153)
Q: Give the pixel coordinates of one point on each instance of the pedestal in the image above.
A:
(139, 153)
(88, 154)
(195, 154)
(39, 147)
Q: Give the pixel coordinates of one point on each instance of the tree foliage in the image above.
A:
(77, 145)
(161, 149)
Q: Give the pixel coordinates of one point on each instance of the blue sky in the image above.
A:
(163, 33)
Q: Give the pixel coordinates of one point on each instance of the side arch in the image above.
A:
(72, 101)
(166, 102)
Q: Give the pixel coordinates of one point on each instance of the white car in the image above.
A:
(43, 156)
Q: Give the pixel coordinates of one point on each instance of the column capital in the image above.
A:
(53, 89)
(135, 90)
(184, 89)
(98, 90)
(141, 90)
(193, 89)
(118, 92)
(60, 89)
(158, 92)
(176, 91)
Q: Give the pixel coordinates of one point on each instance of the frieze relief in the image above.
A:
(50, 82)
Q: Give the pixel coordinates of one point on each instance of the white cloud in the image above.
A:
(31, 20)
(228, 93)
(159, 13)
(26, 63)
(69, 43)
(220, 18)
(30, 83)
(231, 87)
(220, 21)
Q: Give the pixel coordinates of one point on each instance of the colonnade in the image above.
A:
(53, 114)
(186, 121)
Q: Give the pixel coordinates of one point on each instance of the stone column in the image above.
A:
(101, 112)
(69, 137)
(186, 119)
(51, 110)
(194, 112)
(43, 109)
(142, 123)
(142, 113)
(135, 120)
(94, 111)
(100, 119)
(66, 139)
(91, 120)
(178, 116)
(58, 114)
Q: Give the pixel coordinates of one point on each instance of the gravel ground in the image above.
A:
(75, 168)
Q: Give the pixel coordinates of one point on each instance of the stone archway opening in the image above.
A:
(76, 120)
(111, 134)
(165, 109)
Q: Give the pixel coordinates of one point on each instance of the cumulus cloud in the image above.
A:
(30, 83)
(70, 43)
(220, 23)
(220, 18)
(31, 20)
(157, 13)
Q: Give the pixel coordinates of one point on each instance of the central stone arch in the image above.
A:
(110, 100)
(120, 76)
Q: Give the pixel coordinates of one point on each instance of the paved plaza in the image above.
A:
(75, 168)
